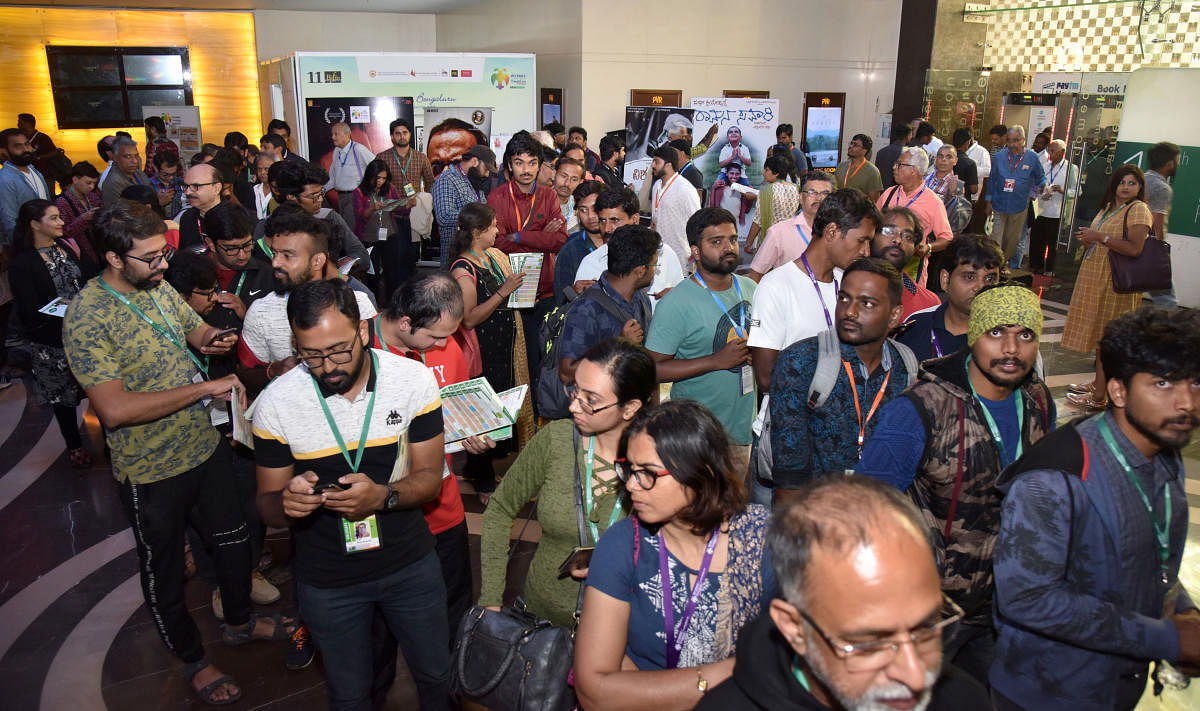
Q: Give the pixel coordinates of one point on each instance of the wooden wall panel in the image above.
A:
(220, 46)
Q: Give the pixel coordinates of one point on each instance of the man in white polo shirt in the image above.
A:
(787, 240)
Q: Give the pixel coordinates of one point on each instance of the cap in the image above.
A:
(484, 154)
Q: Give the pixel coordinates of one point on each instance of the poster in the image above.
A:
(646, 128)
(822, 133)
(504, 82)
(183, 126)
(745, 127)
(1040, 117)
(368, 118)
(457, 129)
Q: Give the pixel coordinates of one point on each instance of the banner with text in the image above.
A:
(745, 131)
(647, 128)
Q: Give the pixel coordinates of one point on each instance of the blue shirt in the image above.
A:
(451, 192)
(15, 191)
(1026, 174)
(806, 443)
(588, 322)
(925, 327)
(578, 246)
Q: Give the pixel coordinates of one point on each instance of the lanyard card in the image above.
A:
(57, 307)
(747, 379)
(1010, 184)
(361, 535)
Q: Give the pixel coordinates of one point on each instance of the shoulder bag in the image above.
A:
(1148, 271)
(513, 661)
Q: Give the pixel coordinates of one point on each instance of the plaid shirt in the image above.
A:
(451, 192)
(419, 173)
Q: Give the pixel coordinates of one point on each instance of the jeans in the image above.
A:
(412, 601)
(205, 497)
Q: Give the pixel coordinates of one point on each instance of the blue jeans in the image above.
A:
(412, 601)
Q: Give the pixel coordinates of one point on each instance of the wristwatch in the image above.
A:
(392, 502)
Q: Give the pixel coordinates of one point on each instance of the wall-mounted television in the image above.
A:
(106, 87)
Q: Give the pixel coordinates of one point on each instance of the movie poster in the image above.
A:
(646, 128)
(745, 131)
(368, 118)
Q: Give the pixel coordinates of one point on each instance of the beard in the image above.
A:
(1156, 431)
(893, 255)
(873, 698)
(859, 337)
(23, 160)
(337, 382)
(147, 282)
(475, 175)
(285, 283)
(725, 265)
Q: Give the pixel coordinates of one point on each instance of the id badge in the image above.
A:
(1010, 184)
(409, 191)
(360, 535)
(206, 400)
(747, 379)
(383, 233)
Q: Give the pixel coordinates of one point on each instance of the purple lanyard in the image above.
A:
(664, 567)
(357, 165)
(817, 287)
(937, 347)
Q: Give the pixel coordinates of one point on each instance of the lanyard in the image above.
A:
(796, 672)
(1055, 171)
(493, 268)
(932, 182)
(587, 493)
(799, 222)
(991, 423)
(171, 335)
(817, 288)
(851, 175)
(664, 191)
(351, 152)
(912, 199)
(407, 162)
(739, 325)
(337, 435)
(1111, 213)
(673, 646)
(379, 334)
(262, 243)
(1162, 534)
(937, 347)
(522, 224)
(1013, 168)
(862, 424)
(587, 242)
(237, 290)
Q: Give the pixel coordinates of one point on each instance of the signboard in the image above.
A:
(822, 135)
(551, 106)
(183, 126)
(1104, 83)
(1057, 82)
(647, 128)
(367, 116)
(655, 97)
(745, 131)
(504, 82)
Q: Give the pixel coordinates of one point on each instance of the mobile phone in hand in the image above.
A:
(221, 334)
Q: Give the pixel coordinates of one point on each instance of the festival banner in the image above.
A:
(745, 131)
(647, 128)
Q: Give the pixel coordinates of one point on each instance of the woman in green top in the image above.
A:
(615, 379)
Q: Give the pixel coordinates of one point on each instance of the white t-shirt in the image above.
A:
(983, 163)
(672, 208)
(743, 154)
(668, 275)
(787, 309)
(267, 333)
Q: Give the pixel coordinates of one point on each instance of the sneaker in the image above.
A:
(301, 650)
(262, 592)
(218, 608)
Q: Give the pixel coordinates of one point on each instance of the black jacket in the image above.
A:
(763, 681)
(33, 288)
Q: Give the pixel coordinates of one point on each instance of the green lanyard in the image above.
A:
(262, 243)
(587, 493)
(337, 435)
(170, 335)
(492, 267)
(796, 672)
(1110, 213)
(991, 423)
(1162, 534)
(237, 290)
(386, 347)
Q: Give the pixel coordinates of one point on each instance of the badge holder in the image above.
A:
(361, 535)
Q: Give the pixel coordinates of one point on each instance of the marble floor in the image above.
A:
(74, 635)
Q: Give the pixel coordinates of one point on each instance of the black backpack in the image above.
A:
(550, 394)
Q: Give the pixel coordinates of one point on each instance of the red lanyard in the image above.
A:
(522, 224)
(1013, 168)
(860, 166)
(664, 191)
(862, 424)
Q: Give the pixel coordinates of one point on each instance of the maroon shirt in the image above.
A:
(536, 209)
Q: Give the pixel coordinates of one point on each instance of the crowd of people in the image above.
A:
(854, 495)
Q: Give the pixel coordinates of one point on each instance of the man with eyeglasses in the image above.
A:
(786, 240)
(352, 436)
(860, 620)
(243, 277)
(127, 336)
(968, 265)
(1016, 174)
(896, 242)
(202, 190)
(946, 439)
(910, 192)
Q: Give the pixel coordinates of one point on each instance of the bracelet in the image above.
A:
(1106, 239)
(701, 682)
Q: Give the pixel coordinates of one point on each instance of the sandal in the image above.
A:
(1087, 402)
(207, 692)
(1084, 388)
(237, 636)
(80, 459)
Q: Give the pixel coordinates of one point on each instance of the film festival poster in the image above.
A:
(744, 126)
(647, 128)
(368, 118)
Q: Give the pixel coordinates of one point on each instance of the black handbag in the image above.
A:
(513, 661)
(1149, 271)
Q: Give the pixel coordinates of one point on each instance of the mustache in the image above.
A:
(1182, 420)
(1008, 361)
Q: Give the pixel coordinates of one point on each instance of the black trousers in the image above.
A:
(205, 497)
(1043, 240)
(246, 482)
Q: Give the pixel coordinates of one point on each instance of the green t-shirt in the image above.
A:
(104, 341)
(688, 324)
(865, 178)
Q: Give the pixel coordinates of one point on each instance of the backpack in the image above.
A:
(550, 394)
(829, 368)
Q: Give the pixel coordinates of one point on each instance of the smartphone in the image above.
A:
(221, 334)
(322, 487)
(579, 559)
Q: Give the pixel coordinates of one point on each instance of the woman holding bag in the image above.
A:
(1122, 225)
(615, 380)
(638, 648)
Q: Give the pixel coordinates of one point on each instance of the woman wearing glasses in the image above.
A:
(614, 381)
(44, 270)
(638, 647)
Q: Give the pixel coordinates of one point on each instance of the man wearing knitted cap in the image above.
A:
(948, 437)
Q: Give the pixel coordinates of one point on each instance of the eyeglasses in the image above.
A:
(646, 478)
(314, 196)
(892, 231)
(818, 193)
(585, 406)
(156, 260)
(209, 294)
(235, 249)
(907, 165)
(195, 187)
(877, 654)
(336, 357)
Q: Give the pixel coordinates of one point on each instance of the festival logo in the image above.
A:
(500, 77)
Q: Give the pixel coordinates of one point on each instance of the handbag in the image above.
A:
(1149, 271)
(513, 661)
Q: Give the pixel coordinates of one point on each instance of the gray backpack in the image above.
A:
(829, 367)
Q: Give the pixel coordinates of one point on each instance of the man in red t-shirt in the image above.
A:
(418, 322)
(896, 241)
